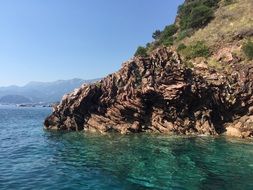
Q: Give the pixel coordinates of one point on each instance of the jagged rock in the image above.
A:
(158, 94)
(227, 55)
(242, 127)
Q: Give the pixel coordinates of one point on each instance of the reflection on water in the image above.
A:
(31, 158)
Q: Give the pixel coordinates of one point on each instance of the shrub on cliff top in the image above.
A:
(168, 41)
(196, 13)
(156, 34)
(200, 16)
(248, 49)
(211, 3)
(165, 37)
(141, 51)
(169, 30)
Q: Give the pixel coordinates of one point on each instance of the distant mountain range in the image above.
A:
(14, 99)
(34, 92)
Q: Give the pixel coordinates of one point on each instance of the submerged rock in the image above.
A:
(159, 94)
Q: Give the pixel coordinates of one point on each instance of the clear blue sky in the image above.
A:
(47, 40)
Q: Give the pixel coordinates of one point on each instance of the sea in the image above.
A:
(32, 158)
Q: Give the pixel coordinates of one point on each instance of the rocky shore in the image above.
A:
(160, 94)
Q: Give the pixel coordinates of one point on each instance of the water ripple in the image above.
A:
(31, 158)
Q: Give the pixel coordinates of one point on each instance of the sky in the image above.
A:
(48, 40)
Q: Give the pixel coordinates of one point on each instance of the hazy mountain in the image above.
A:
(43, 91)
(14, 99)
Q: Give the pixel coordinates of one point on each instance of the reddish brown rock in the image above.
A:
(157, 94)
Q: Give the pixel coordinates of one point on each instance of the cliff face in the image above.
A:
(160, 94)
(208, 91)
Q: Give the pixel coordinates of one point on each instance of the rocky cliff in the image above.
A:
(158, 93)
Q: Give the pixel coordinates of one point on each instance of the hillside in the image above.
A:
(47, 92)
(194, 78)
(214, 33)
(226, 35)
(232, 24)
(14, 99)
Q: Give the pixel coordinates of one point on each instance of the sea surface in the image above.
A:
(31, 158)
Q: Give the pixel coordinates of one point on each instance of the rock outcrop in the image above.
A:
(160, 94)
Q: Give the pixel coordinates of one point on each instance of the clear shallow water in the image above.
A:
(31, 158)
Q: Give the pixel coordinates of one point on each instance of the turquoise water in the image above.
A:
(31, 158)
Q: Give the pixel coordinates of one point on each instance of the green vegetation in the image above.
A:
(184, 33)
(156, 34)
(198, 49)
(212, 63)
(141, 51)
(192, 15)
(165, 37)
(195, 36)
(167, 41)
(181, 47)
(189, 64)
(248, 50)
(169, 31)
(228, 2)
(231, 18)
(200, 16)
(197, 13)
(211, 3)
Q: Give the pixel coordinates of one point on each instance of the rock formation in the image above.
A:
(159, 93)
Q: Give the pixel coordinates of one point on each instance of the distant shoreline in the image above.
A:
(27, 105)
